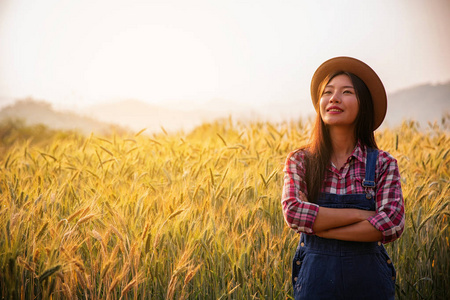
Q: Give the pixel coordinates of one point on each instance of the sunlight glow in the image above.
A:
(259, 53)
(150, 63)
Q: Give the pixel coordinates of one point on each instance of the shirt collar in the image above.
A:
(359, 152)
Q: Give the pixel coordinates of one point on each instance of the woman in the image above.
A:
(343, 193)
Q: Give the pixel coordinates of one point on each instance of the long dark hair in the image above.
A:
(319, 150)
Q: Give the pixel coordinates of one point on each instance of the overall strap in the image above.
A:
(371, 161)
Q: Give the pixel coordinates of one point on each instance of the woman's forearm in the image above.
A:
(358, 232)
(329, 218)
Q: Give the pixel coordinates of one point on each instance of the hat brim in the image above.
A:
(360, 69)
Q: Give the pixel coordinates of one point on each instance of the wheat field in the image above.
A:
(192, 215)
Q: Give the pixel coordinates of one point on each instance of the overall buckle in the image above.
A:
(368, 183)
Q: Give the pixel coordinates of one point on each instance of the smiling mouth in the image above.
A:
(334, 110)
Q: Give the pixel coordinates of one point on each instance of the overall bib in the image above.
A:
(334, 269)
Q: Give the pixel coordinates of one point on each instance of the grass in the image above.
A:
(189, 215)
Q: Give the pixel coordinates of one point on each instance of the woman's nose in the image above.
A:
(335, 98)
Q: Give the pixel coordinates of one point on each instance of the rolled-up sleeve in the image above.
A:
(298, 213)
(390, 216)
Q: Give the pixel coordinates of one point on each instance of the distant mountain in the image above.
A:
(138, 115)
(34, 112)
(423, 103)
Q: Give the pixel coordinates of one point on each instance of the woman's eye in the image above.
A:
(327, 92)
(348, 92)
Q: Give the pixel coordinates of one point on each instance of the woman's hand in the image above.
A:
(302, 197)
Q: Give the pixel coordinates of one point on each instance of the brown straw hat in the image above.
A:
(360, 69)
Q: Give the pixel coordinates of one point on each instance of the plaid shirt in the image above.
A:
(300, 214)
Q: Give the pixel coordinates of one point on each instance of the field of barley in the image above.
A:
(192, 215)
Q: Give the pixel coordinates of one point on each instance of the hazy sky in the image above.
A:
(79, 52)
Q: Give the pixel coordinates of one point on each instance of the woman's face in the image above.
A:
(339, 105)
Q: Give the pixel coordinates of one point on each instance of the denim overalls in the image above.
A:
(334, 269)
